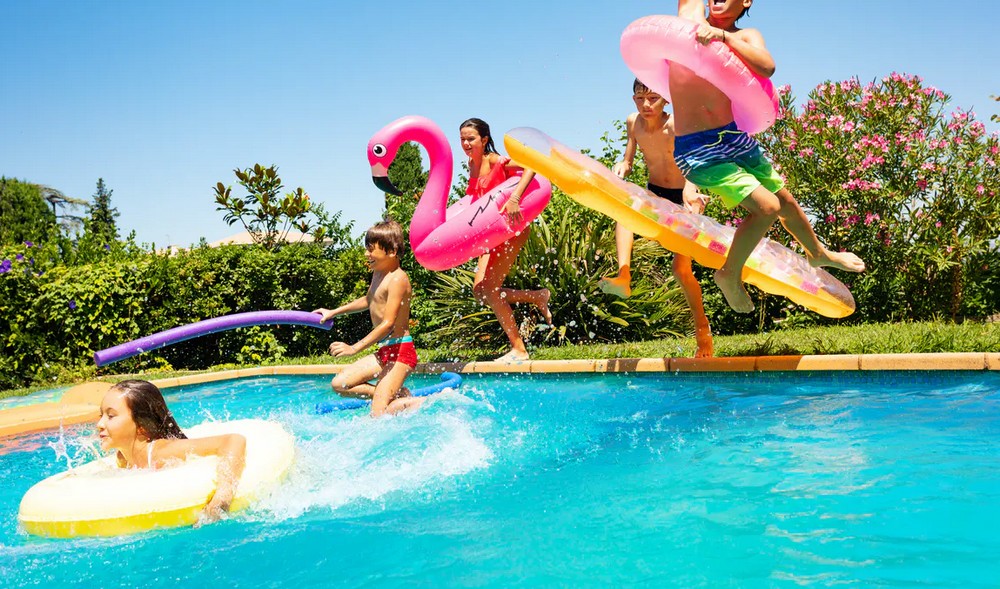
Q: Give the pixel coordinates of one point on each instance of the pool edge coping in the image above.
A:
(80, 403)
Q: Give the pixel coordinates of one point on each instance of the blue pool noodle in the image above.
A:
(448, 380)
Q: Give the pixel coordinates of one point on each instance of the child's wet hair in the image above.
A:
(745, 11)
(149, 409)
(638, 86)
(483, 129)
(388, 235)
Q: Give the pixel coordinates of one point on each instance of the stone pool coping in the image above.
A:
(80, 403)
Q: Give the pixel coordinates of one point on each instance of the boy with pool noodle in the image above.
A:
(716, 156)
(388, 301)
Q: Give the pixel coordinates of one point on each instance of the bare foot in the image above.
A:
(402, 393)
(840, 260)
(512, 357)
(619, 286)
(544, 307)
(734, 292)
(703, 337)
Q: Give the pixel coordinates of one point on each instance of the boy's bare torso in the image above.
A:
(378, 298)
(656, 140)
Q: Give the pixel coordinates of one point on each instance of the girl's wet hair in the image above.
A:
(388, 235)
(484, 131)
(149, 410)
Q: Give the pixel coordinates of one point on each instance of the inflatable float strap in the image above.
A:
(649, 44)
(206, 327)
(100, 499)
(771, 267)
(448, 380)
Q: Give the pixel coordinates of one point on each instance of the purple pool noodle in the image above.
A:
(208, 326)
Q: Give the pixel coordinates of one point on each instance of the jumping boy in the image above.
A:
(716, 156)
(652, 130)
(388, 301)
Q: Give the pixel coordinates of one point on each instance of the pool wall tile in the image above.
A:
(832, 362)
(635, 365)
(559, 366)
(741, 364)
(439, 367)
(309, 369)
(498, 367)
(992, 361)
(958, 361)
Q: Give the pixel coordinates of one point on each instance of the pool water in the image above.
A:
(658, 480)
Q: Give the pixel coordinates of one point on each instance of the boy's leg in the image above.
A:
(692, 293)
(621, 285)
(401, 404)
(390, 381)
(763, 207)
(797, 224)
(353, 380)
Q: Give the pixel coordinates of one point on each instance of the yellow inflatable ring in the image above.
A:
(100, 499)
(772, 267)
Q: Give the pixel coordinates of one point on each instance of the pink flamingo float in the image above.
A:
(443, 236)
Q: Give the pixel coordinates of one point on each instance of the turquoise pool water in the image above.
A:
(762, 480)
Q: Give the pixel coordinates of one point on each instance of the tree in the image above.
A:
(100, 224)
(24, 214)
(266, 216)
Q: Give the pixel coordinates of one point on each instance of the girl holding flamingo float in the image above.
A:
(487, 169)
(491, 222)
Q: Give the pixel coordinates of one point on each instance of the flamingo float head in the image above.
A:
(384, 145)
(380, 156)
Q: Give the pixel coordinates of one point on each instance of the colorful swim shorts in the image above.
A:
(397, 349)
(725, 161)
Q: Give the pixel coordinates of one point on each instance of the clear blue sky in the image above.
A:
(164, 99)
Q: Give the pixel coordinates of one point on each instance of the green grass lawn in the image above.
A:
(895, 338)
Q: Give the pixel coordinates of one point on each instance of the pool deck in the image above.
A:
(81, 403)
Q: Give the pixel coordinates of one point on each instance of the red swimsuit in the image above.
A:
(483, 184)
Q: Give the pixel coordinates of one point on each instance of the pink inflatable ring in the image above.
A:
(649, 45)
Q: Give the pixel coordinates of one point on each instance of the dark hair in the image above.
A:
(484, 131)
(638, 86)
(745, 11)
(388, 235)
(149, 410)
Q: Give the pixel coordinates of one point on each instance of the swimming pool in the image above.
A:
(738, 480)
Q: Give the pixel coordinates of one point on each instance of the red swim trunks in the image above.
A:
(404, 352)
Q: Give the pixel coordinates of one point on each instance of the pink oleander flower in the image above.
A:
(937, 224)
(922, 184)
(980, 189)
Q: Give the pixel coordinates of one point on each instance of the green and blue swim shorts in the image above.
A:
(725, 161)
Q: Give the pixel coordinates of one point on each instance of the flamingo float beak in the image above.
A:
(385, 185)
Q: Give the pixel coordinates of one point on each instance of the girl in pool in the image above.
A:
(136, 423)
(488, 169)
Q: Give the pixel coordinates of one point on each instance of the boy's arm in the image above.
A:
(399, 290)
(692, 10)
(358, 304)
(693, 200)
(747, 44)
(624, 167)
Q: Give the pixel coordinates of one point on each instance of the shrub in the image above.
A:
(886, 173)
